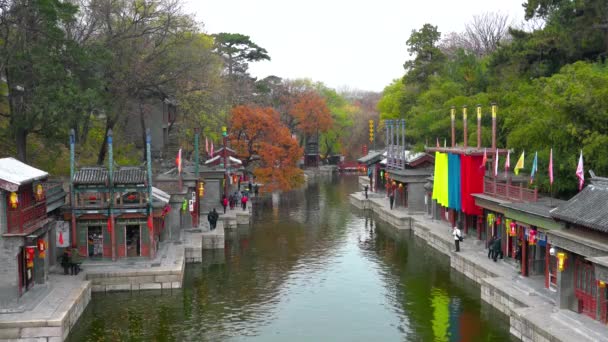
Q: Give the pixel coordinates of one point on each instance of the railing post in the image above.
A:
(521, 191)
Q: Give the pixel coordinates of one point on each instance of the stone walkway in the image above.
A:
(530, 305)
(51, 317)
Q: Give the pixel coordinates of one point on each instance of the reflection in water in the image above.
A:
(310, 268)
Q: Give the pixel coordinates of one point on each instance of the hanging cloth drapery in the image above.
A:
(454, 189)
(471, 176)
(440, 179)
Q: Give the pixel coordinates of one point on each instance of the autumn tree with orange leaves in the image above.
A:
(259, 137)
(311, 113)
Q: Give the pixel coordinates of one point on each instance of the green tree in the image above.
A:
(46, 88)
(423, 44)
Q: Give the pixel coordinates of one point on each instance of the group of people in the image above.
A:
(70, 261)
(234, 199)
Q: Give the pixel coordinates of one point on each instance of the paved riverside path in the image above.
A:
(531, 308)
(49, 317)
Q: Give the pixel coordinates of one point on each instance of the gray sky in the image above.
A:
(356, 44)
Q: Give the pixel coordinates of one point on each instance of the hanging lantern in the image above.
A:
(40, 244)
(513, 229)
(561, 261)
(13, 200)
(29, 256)
(532, 237)
(601, 284)
(498, 220)
(39, 192)
(201, 189)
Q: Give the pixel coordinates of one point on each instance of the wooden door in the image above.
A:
(585, 287)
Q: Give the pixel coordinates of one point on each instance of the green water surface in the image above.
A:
(311, 267)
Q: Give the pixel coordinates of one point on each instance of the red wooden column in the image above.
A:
(547, 257)
(479, 226)
(524, 253)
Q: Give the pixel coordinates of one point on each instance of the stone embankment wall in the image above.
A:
(52, 328)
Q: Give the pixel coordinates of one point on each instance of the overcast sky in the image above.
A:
(359, 44)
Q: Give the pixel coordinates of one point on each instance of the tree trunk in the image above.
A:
(142, 122)
(104, 145)
(21, 142)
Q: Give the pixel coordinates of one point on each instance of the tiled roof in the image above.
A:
(91, 176)
(130, 175)
(371, 157)
(542, 207)
(588, 208)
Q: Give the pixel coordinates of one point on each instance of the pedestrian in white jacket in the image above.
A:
(457, 238)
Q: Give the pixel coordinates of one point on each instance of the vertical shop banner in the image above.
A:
(62, 234)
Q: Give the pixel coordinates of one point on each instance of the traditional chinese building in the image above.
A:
(406, 178)
(370, 163)
(114, 211)
(459, 173)
(581, 251)
(24, 226)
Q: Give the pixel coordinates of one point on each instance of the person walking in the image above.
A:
(365, 187)
(457, 237)
(491, 247)
(391, 198)
(496, 249)
(256, 190)
(65, 261)
(210, 218)
(224, 203)
(244, 202)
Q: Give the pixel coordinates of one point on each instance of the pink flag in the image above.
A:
(484, 160)
(580, 172)
(211, 153)
(178, 161)
(507, 163)
(496, 164)
(551, 167)
(206, 145)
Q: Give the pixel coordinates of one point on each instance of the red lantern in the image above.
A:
(513, 229)
(41, 245)
(29, 256)
(498, 220)
(532, 237)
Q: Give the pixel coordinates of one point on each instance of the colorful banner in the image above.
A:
(471, 180)
(454, 186)
(440, 179)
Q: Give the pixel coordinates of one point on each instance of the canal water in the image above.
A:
(311, 267)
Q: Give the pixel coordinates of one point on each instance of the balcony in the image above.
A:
(23, 221)
(515, 193)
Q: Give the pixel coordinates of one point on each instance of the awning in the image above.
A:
(161, 196)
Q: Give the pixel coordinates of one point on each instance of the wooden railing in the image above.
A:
(23, 221)
(509, 191)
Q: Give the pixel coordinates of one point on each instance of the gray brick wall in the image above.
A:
(9, 249)
(212, 197)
